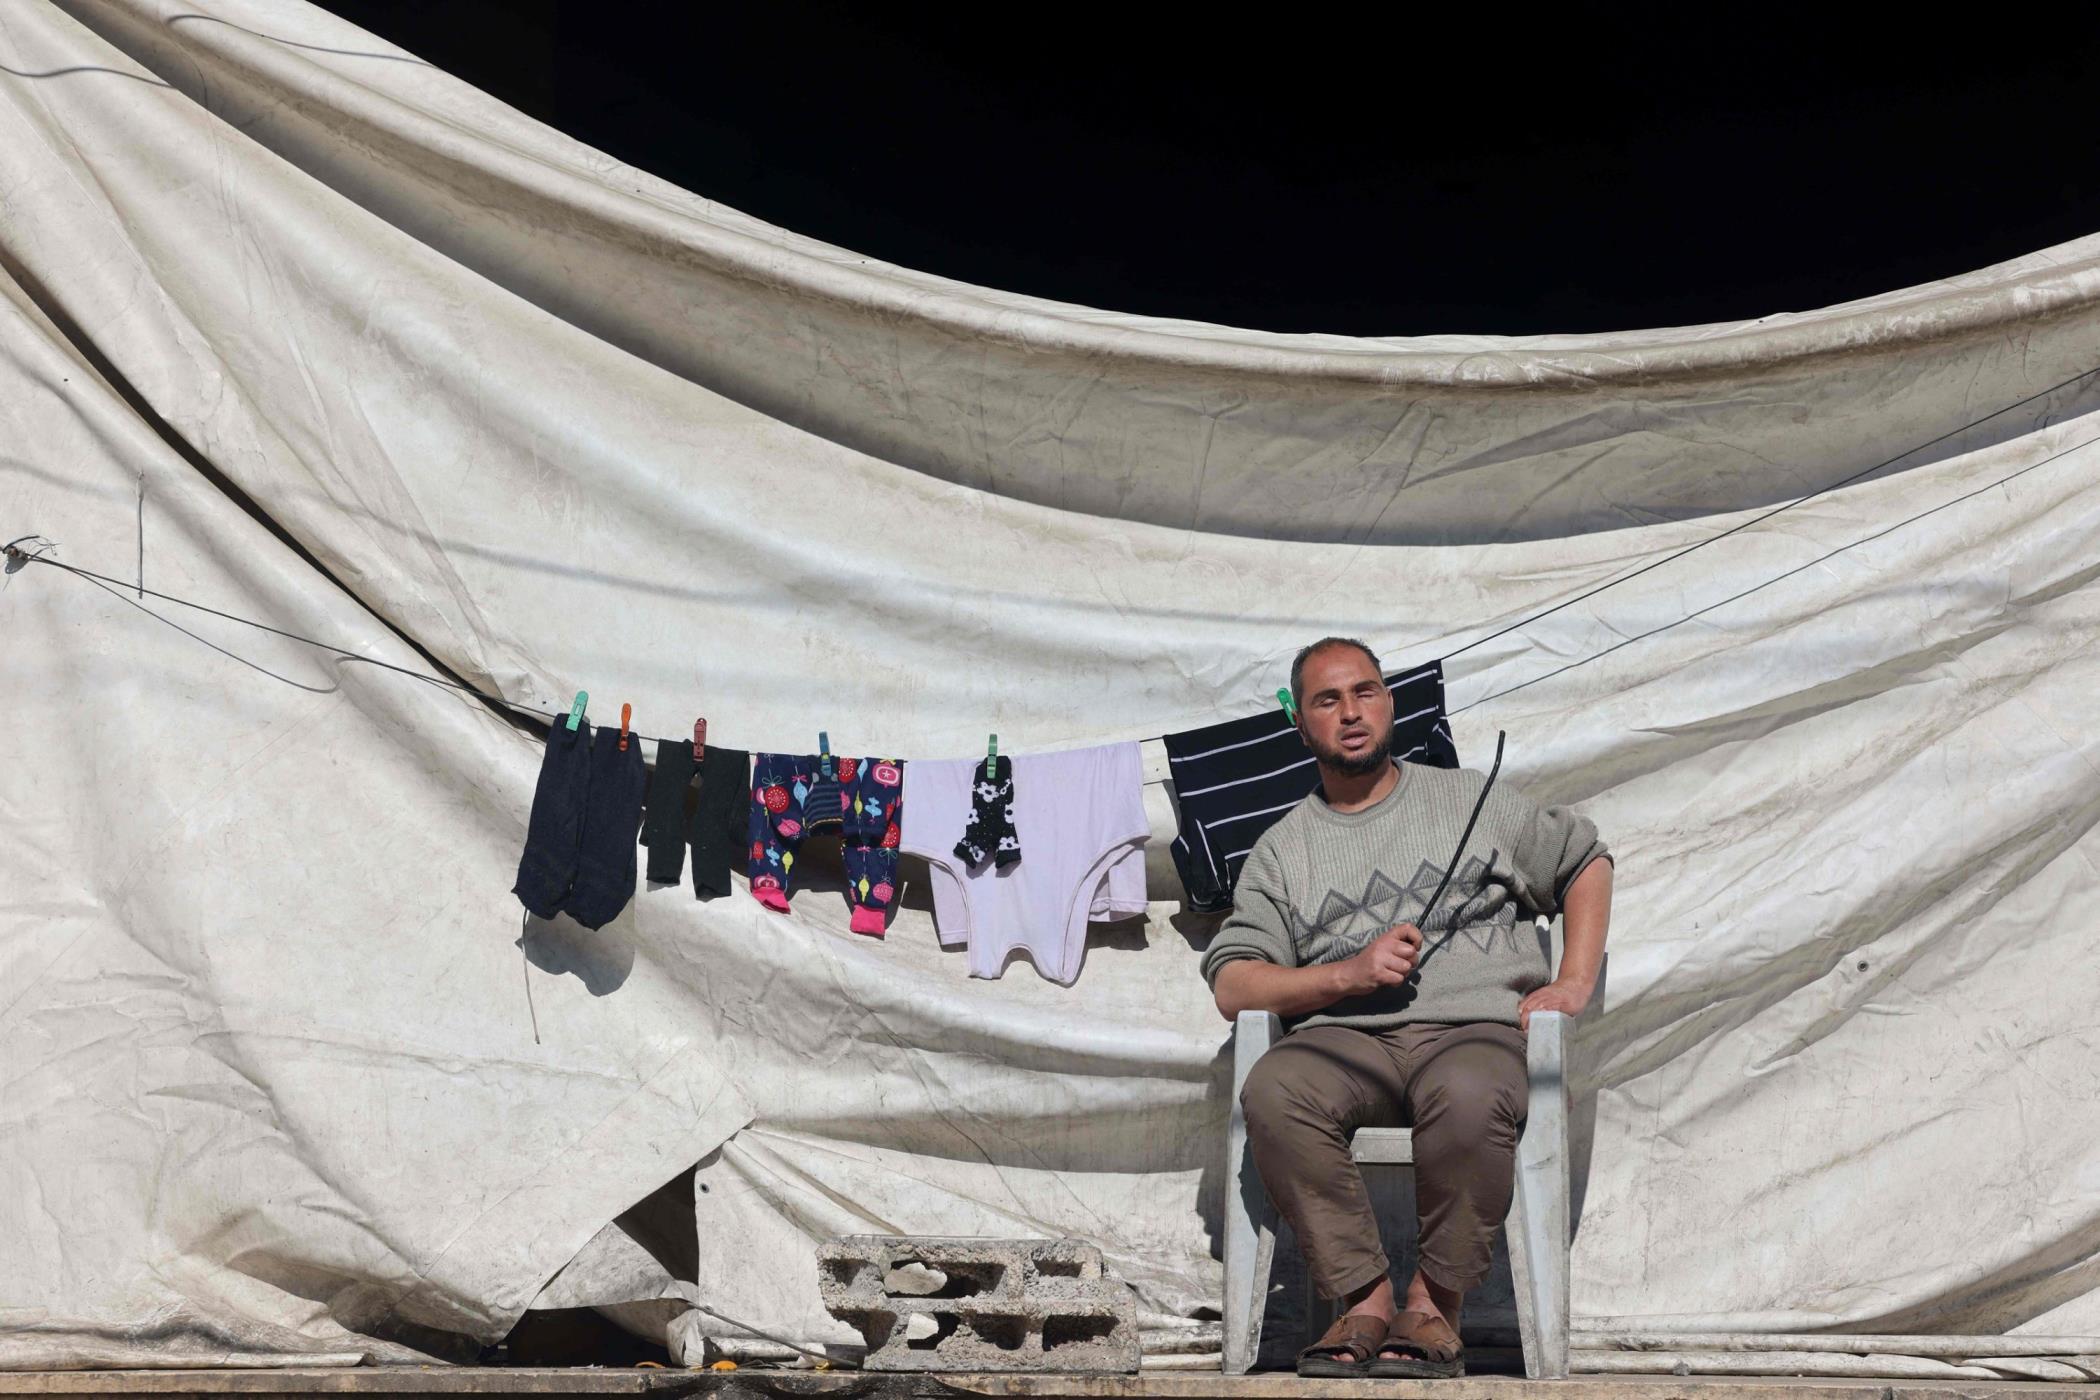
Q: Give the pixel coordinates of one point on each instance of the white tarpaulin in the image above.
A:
(296, 326)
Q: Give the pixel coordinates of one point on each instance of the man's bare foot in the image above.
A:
(1425, 1296)
(1374, 1300)
(1351, 1342)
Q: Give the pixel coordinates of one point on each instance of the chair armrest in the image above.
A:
(1253, 1032)
(1546, 1051)
(1546, 1048)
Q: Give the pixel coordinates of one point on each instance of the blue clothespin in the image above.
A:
(1290, 706)
(824, 752)
(576, 710)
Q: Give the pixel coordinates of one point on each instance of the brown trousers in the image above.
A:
(1464, 1091)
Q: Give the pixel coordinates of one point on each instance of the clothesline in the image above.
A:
(18, 557)
(1231, 779)
(1780, 577)
(1739, 526)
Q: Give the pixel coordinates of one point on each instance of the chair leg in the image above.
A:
(1538, 1223)
(1250, 1254)
(1250, 1218)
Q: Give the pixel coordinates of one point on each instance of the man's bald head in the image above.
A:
(1345, 712)
(1306, 654)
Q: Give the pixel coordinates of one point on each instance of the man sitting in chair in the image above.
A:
(1398, 1015)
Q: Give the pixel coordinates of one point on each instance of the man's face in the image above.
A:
(1347, 713)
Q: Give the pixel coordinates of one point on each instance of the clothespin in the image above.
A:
(699, 741)
(824, 752)
(1290, 706)
(576, 710)
(626, 713)
(991, 754)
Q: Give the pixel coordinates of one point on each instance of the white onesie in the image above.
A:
(1081, 818)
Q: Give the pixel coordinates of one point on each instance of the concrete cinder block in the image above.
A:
(995, 1305)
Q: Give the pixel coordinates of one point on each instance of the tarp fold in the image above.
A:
(294, 325)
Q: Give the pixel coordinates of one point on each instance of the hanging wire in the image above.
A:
(17, 558)
(1778, 578)
(112, 585)
(1824, 490)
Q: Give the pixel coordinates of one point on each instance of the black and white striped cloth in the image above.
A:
(1232, 781)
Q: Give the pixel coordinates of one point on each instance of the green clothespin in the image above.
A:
(1290, 706)
(576, 710)
(824, 752)
(991, 754)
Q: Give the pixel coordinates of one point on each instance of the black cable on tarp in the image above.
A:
(1824, 490)
(1776, 578)
(18, 558)
(464, 689)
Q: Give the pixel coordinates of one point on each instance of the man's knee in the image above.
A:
(1472, 1093)
(1264, 1098)
(1278, 1098)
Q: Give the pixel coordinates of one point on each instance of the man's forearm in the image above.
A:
(1252, 985)
(1585, 913)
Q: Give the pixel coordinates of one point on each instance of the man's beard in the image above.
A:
(1370, 760)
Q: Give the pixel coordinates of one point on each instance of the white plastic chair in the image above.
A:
(1538, 1218)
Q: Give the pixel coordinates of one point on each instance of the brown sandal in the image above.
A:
(1344, 1350)
(1437, 1352)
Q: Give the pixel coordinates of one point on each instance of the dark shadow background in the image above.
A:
(1406, 172)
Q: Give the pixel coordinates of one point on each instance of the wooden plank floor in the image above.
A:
(756, 1384)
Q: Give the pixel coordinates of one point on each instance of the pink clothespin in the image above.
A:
(699, 741)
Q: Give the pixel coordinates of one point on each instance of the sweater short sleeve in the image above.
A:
(1553, 846)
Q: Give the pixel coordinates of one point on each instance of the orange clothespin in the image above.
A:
(626, 713)
(699, 741)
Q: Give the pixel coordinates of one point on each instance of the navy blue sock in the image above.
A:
(555, 830)
(612, 815)
(663, 831)
(721, 823)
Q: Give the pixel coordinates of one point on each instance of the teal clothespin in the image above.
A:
(576, 710)
(824, 752)
(991, 754)
(1290, 706)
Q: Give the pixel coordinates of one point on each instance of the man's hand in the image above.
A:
(1250, 984)
(1566, 996)
(1386, 961)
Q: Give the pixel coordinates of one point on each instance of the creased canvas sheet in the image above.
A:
(1451, 439)
(301, 328)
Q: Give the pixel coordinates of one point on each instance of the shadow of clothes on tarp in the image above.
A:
(600, 959)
